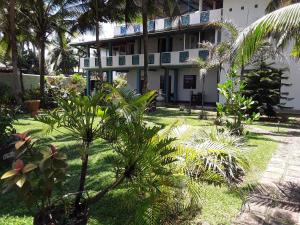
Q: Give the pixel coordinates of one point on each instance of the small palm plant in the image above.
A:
(218, 54)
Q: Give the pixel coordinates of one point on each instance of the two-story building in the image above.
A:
(174, 46)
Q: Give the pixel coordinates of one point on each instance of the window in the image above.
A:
(230, 10)
(256, 6)
(242, 8)
(189, 82)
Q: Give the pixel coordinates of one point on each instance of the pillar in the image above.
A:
(216, 35)
(110, 51)
(88, 74)
(138, 81)
(184, 41)
(200, 5)
(110, 76)
(110, 72)
(176, 74)
(167, 85)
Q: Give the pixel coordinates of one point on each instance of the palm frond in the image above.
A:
(282, 25)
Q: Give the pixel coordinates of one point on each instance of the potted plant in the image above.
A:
(32, 101)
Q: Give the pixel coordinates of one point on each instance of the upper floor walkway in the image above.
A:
(166, 24)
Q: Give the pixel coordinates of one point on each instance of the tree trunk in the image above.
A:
(102, 193)
(14, 50)
(42, 68)
(100, 74)
(83, 173)
(145, 40)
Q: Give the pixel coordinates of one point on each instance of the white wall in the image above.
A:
(243, 18)
(211, 94)
(210, 89)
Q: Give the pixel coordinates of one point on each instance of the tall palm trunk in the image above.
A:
(13, 42)
(145, 41)
(100, 74)
(42, 68)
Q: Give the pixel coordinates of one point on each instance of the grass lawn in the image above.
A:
(220, 205)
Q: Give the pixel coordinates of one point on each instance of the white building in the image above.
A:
(174, 44)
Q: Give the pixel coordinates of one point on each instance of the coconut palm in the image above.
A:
(218, 53)
(90, 15)
(281, 26)
(276, 4)
(8, 38)
(62, 55)
(149, 9)
(44, 18)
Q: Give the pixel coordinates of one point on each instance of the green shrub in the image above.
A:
(235, 110)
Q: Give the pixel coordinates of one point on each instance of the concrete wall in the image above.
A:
(29, 80)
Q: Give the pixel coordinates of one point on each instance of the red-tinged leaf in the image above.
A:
(21, 182)
(29, 167)
(9, 174)
(18, 165)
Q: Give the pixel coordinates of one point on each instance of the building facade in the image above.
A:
(174, 46)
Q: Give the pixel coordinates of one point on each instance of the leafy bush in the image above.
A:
(37, 171)
(65, 85)
(236, 104)
(8, 111)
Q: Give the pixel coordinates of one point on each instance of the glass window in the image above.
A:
(189, 82)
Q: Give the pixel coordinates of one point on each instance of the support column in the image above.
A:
(110, 76)
(176, 74)
(167, 85)
(200, 5)
(88, 74)
(216, 35)
(184, 41)
(110, 51)
(110, 72)
(214, 4)
(138, 81)
(199, 41)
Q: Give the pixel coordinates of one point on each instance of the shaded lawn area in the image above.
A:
(220, 205)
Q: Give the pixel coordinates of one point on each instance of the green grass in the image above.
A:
(220, 206)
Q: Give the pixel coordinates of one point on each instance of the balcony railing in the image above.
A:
(167, 23)
(186, 57)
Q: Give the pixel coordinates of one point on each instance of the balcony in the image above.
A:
(164, 24)
(181, 58)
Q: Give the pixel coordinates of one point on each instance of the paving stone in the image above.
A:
(276, 191)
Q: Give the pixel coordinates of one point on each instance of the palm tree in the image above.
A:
(218, 54)
(282, 25)
(148, 9)
(62, 55)
(8, 39)
(91, 13)
(276, 4)
(44, 17)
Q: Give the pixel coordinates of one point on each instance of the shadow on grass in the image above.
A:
(262, 137)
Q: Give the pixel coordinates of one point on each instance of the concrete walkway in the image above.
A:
(276, 201)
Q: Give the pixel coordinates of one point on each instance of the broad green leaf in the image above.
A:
(29, 167)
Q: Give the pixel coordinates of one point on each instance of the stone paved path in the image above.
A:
(276, 201)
